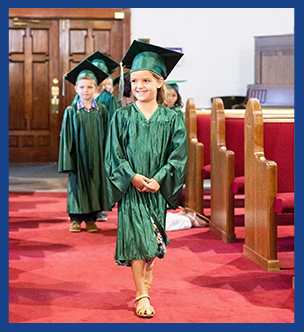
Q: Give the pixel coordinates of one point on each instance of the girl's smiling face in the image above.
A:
(144, 85)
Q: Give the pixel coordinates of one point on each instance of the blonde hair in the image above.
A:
(161, 97)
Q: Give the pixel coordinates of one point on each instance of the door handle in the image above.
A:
(55, 95)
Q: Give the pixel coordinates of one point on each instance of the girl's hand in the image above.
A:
(139, 182)
(152, 186)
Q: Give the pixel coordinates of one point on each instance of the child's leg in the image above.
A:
(138, 271)
(142, 302)
(148, 274)
(75, 222)
(90, 219)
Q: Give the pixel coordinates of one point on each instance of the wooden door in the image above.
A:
(33, 65)
(44, 44)
(80, 38)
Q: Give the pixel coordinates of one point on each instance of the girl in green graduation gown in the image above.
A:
(145, 162)
(174, 98)
(82, 145)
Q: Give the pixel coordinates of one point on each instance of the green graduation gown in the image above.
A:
(179, 112)
(106, 98)
(81, 153)
(156, 149)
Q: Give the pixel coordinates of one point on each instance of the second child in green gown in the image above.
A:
(81, 152)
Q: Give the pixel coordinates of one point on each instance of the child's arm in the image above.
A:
(171, 176)
(66, 159)
(118, 170)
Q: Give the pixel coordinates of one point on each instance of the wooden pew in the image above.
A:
(224, 168)
(269, 179)
(195, 162)
(227, 165)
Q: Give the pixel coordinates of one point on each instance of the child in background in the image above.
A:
(103, 95)
(145, 162)
(108, 84)
(82, 144)
(186, 218)
(174, 98)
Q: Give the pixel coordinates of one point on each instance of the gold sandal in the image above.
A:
(148, 283)
(143, 311)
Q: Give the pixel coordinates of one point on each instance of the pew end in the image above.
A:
(222, 175)
(261, 190)
(194, 190)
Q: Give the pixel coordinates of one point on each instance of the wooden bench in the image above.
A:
(227, 166)
(269, 183)
(195, 162)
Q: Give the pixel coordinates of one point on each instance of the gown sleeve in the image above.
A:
(118, 170)
(171, 176)
(113, 106)
(66, 159)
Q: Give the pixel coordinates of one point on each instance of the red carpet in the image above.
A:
(59, 277)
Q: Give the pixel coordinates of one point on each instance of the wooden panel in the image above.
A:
(39, 38)
(42, 140)
(16, 40)
(17, 88)
(260, 190)
(194, 184)
(26, 141)
(78, 42)
(41, 96)
(13, 141)
(80, 38)
(274, 60)
(102, 41)
(222, 175)
(277, 67)
(30, 80)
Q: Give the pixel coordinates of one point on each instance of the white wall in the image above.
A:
(218, 44)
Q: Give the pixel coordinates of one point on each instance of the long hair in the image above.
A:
(161, 97)
(179, 102)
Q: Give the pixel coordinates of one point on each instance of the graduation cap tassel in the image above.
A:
(121, 83)
(63, 85)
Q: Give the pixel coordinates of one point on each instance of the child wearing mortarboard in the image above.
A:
(102, 94)
(174, 98)
(145, 161)
(82, 145)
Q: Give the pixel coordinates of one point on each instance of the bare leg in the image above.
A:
(148, 274)
(138, 271)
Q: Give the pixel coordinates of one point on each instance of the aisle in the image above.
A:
(59, 277)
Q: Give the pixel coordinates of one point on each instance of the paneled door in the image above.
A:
(41, 51)
(80, 38)
(33, 71)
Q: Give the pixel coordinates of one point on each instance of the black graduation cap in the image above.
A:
(103, 62)
(84, 69)
(144, 56)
